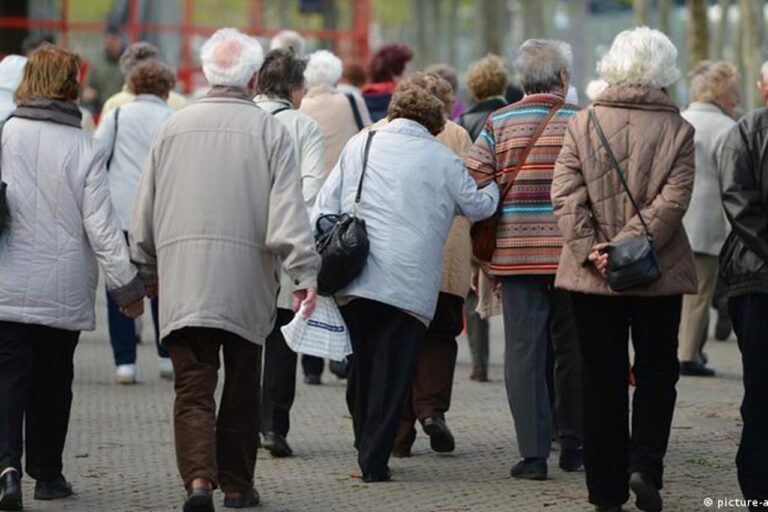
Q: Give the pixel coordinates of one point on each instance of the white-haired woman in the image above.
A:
(340, 115)
(655, 148)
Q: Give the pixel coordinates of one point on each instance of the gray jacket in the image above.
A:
(62, 224)
(705, 219)
(219, 206)
(413, 188)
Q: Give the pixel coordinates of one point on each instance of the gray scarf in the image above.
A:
(54, 111)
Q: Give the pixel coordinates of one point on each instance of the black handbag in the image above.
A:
(5, 214)
(631, 262)
(342, 241)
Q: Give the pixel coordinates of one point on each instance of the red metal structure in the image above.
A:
(356, 37)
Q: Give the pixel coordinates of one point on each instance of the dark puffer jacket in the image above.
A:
(743, 168)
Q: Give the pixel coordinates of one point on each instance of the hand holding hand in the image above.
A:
(599, 258)
(135, 310)
(306, 299)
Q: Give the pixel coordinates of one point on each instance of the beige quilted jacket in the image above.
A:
(655, 148)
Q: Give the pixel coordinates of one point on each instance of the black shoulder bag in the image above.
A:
(355, 111)
(342, 241)
(5, 214)
(631, 262)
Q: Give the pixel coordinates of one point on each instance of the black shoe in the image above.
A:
(199, 500)
(339, 368)
(276, 445)
(534, 468)
(723, 327)
(312, 380)
(10, 491)
(571, 459)
(694, 369)
(242, 499)
(648, 497)
(370, 478)
(52, 489)
(440, 438)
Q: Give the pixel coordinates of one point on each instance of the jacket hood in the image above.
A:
(11, 72)
(636, 97)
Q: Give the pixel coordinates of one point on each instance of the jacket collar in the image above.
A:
(271, 104)
(380, 88)
(706, 106)
(636, 97)
(317, 90)
(408, 126)
(54, 111)
(227, 91)
(488, 105)
(150, 98)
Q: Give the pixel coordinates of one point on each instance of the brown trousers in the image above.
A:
(223, 449)
(430, 393)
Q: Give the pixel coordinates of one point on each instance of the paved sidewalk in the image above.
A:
(120, 454)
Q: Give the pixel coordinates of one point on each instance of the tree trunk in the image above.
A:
(492, 35)
(422, 37)
(529, 20)
(698, 32)
(721, 31)
(452, 30)
(752, 28)
(578, 11)
(665, 11)
(641, 12)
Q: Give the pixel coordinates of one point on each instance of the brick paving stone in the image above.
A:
(120, 454)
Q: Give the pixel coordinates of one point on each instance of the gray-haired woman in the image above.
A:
(655, 147)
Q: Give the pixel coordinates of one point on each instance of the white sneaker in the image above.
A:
(166, 368)
(126, 374)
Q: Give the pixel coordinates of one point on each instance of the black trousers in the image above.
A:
(749, 314)
(385, 341)
(610, 453)
(36, 372)
(279, 387)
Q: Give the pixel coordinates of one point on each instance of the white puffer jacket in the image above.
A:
(62, 223)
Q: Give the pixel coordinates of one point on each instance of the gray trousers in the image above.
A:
(478, 332)
(535, 316)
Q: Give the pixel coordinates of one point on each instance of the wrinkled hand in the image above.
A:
(135, 310)
(306, 299)
(599, 259)
(151, 291)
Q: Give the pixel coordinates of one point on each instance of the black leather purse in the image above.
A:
(342, 241)
(5, 214)
(631, 262)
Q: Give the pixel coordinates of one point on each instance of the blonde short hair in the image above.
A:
(710, 80)
(487, 77)
(642, 57)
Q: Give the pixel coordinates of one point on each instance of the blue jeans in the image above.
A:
(122, 333)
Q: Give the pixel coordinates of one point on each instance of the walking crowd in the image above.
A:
(585, 228)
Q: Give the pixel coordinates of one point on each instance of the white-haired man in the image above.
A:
(288, 40)
(521, 142)
(211, 229)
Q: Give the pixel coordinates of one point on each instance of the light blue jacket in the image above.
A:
(413, 188)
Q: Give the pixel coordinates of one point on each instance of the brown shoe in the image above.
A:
(479, 373)
(246, 499)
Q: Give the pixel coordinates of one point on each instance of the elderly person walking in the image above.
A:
(517, 149)
(126, 134)
(281, 88)
(743, 167)
(390, 304)
(487, 81)
(715, 91)
(385, 70)
(134, 55)
(340, 115)
(211, 230)
(655, 148)
(48, 268)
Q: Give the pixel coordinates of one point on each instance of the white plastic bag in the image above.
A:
(324, 334)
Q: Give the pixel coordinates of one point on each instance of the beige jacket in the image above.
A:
(333, 112)
(218, 207)
(457, 260)
(654, 146)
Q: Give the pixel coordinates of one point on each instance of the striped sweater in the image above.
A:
(528, 239)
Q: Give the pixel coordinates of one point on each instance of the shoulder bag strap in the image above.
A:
(114, 143)
(527, 151)
(2, 125)
(355, 110)
(365, 165)
(617, 167)
(281, 109)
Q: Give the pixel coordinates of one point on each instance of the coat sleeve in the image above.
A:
(481, 160)
(329, 198)
(664, 214)
(289, 235)
(473, 202)
(105, 133)
(142, 235)
(742, 199)
(105, 236)
(570, 200)
(312, 162)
